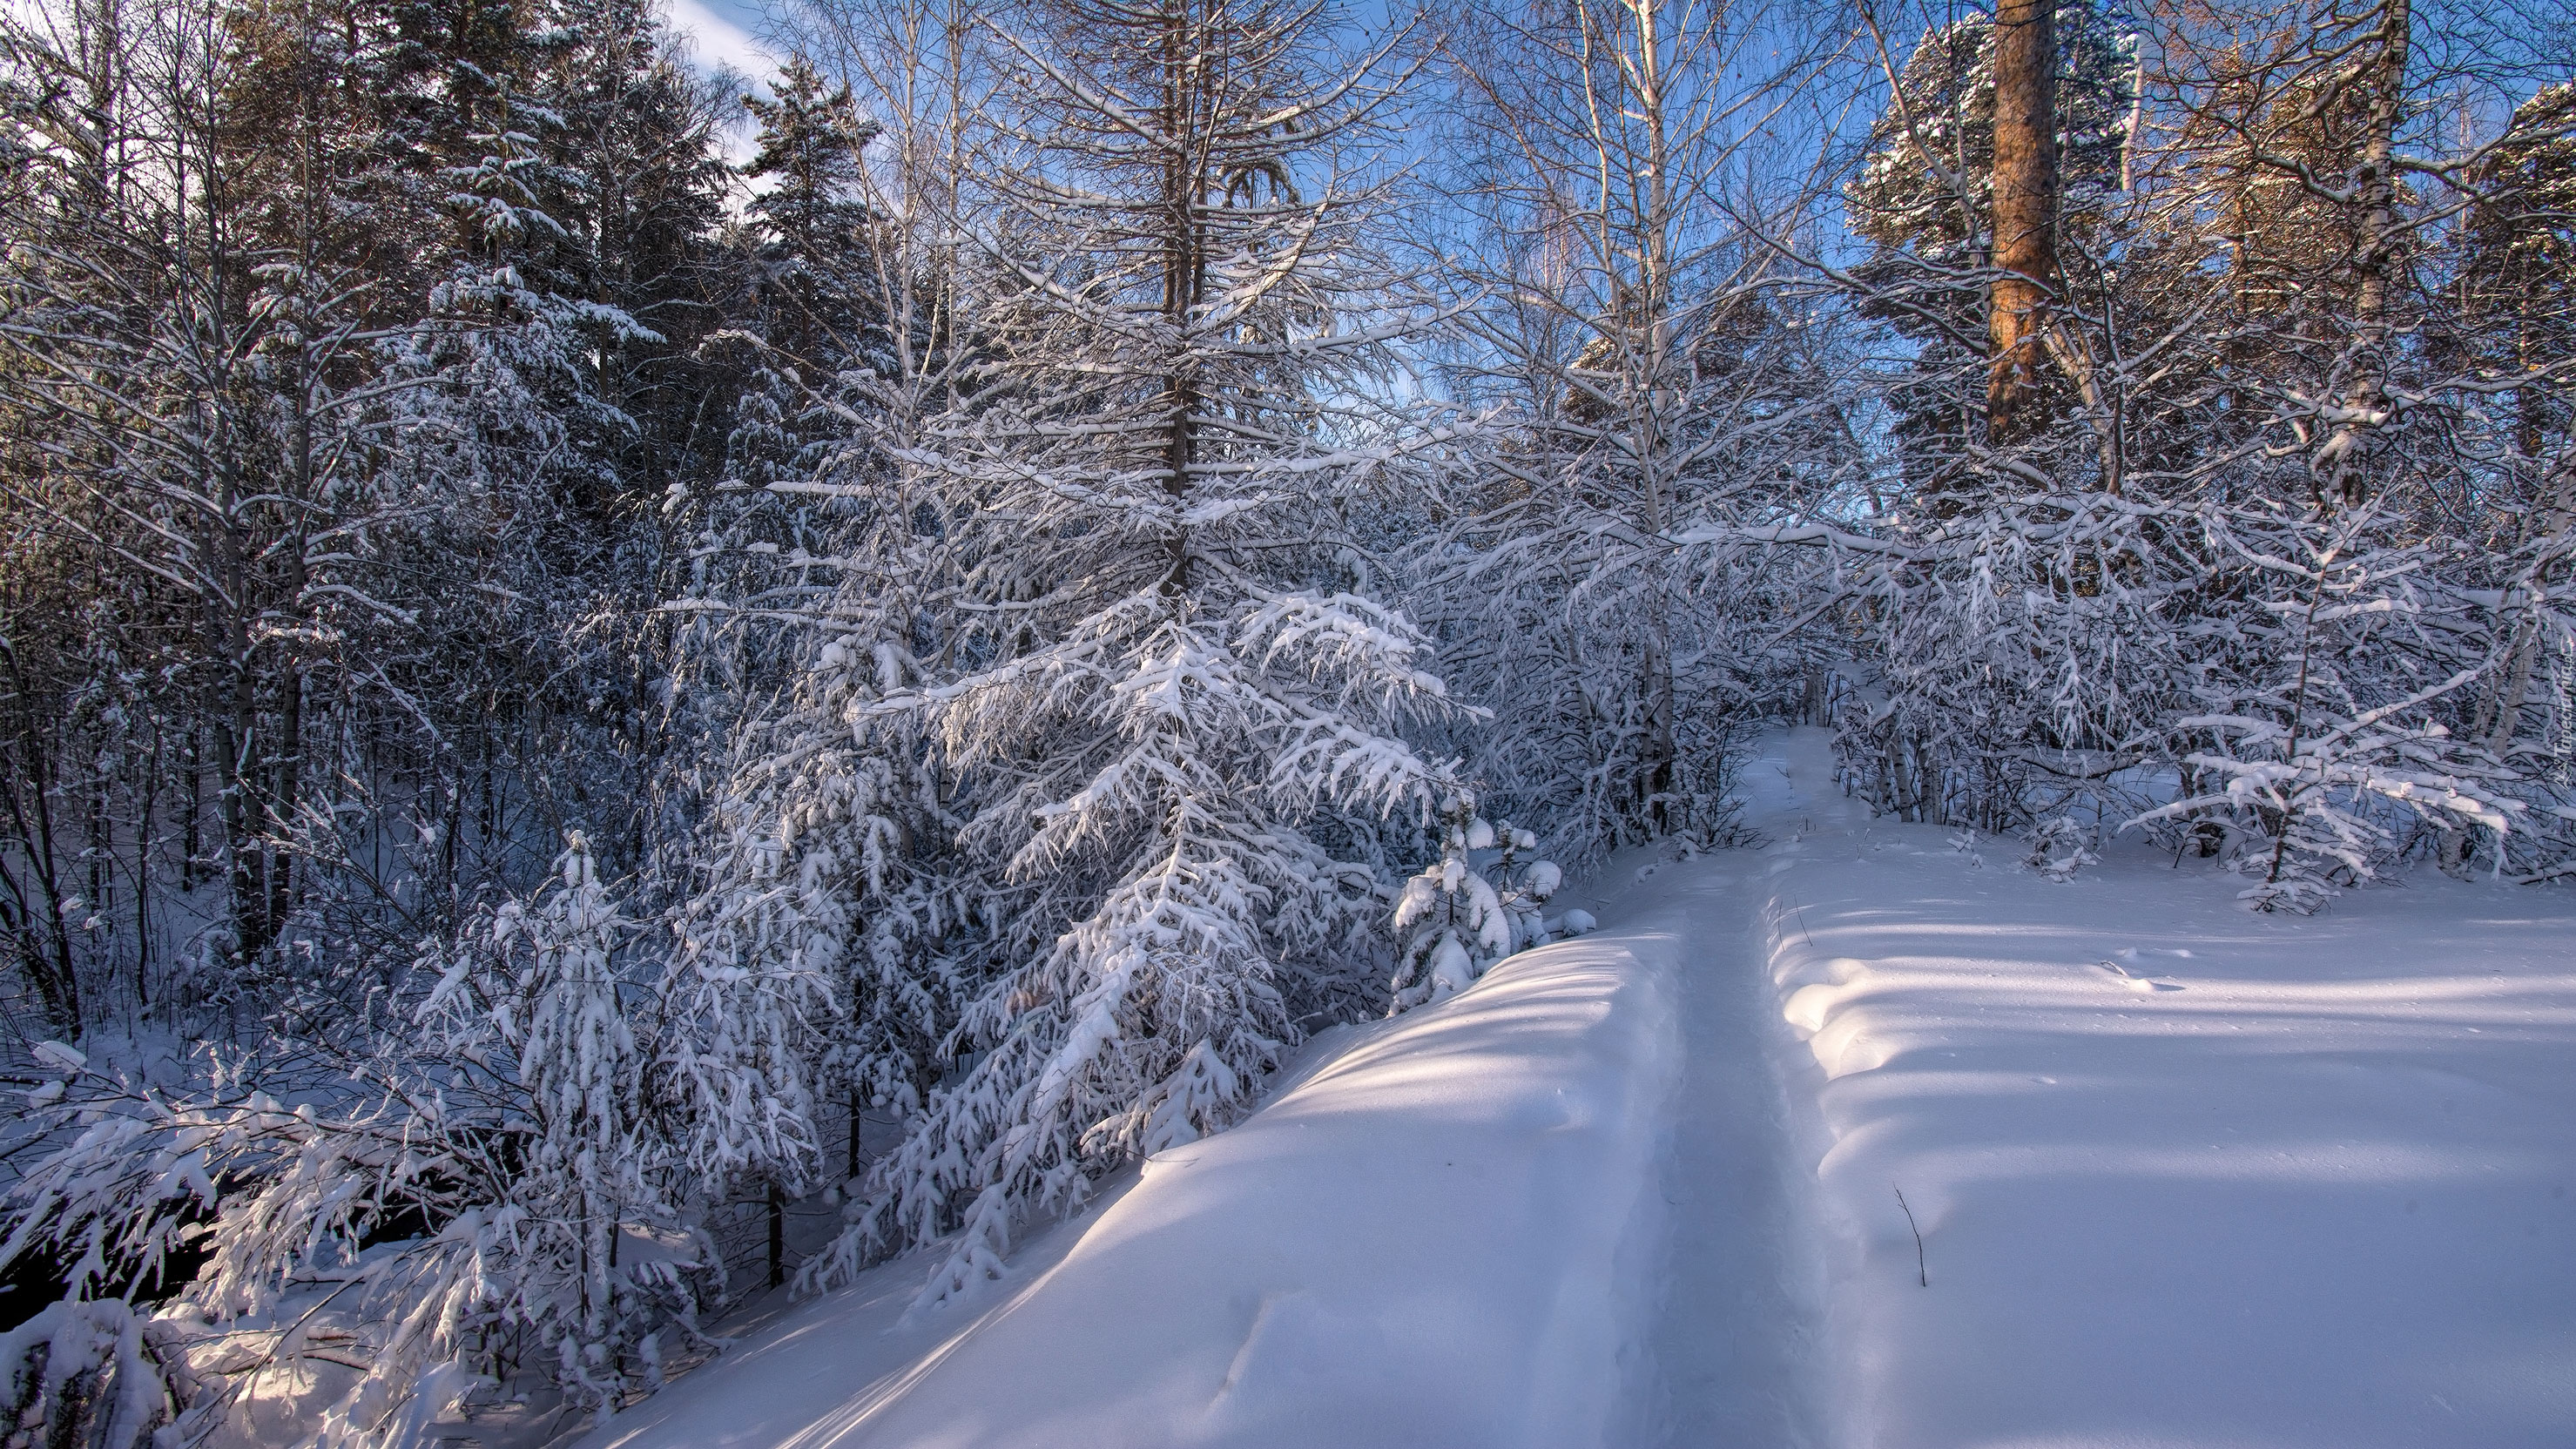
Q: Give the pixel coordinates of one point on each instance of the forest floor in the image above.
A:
(2172, 1173)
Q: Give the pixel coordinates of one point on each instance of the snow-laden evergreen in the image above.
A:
(471, 1177)
(1454, 922)
(1175, 715)
(1458, 916)
(585, 1252)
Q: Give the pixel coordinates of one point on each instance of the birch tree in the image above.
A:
(1652, 387)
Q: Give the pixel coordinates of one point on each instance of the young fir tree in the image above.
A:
(1173, 699)
(539, 997)
(1455, 922)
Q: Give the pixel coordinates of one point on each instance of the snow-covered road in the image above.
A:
(2182, 1175)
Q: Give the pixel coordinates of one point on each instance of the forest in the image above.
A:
(601, 653)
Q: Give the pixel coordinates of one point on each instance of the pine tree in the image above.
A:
(1925, 195)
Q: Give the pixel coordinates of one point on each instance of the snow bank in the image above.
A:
(2183, 1174)
(1435, 1236)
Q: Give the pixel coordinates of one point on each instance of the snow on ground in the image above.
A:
(2183, 1175)
(1438, 1236)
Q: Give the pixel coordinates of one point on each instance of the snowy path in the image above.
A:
(1735, 1342)
(2183, 1175)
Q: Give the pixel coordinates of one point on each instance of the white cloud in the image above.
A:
(720, 42)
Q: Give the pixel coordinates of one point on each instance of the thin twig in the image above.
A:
(1921, 1273)
(1801, 913)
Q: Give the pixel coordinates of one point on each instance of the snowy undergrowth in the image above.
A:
(2183, 1173)
(1434, 1235)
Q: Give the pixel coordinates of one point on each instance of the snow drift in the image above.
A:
(1436, 1236)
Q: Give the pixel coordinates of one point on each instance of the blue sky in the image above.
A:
(726, 31)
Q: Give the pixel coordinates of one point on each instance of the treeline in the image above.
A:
(2235, 435)
(566, 697)
(349, 354)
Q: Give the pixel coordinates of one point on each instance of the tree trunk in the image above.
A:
(236, 731)
(1184, 270)
(33, 908)
(856, 1122)
(2373, 252)
(282, 802)
(777, 1236)
(192, 840)
(2025, 209)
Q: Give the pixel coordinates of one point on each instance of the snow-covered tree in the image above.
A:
(2322, 762)
(1453, 922)
(1456, 918)
(473, 1177)
(312, 473)
(827, 892)
(1171, 698)
(1924, 197)
(540, 998)
(1651, 392)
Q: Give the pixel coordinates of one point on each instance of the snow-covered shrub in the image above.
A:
(1452, 920)
(2060, 846)
(469, 1176)
(1455, 920)
(2020, 653)
(2318, 751)
(93, 1372)
(1526, 888)
(2298, 682)
(2321, 810)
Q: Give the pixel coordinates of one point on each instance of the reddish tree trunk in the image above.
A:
(2025, 207)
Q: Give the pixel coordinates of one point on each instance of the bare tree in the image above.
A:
(1625, 325)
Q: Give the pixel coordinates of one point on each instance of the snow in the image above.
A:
(2183, 1174)
(1435, 1235)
